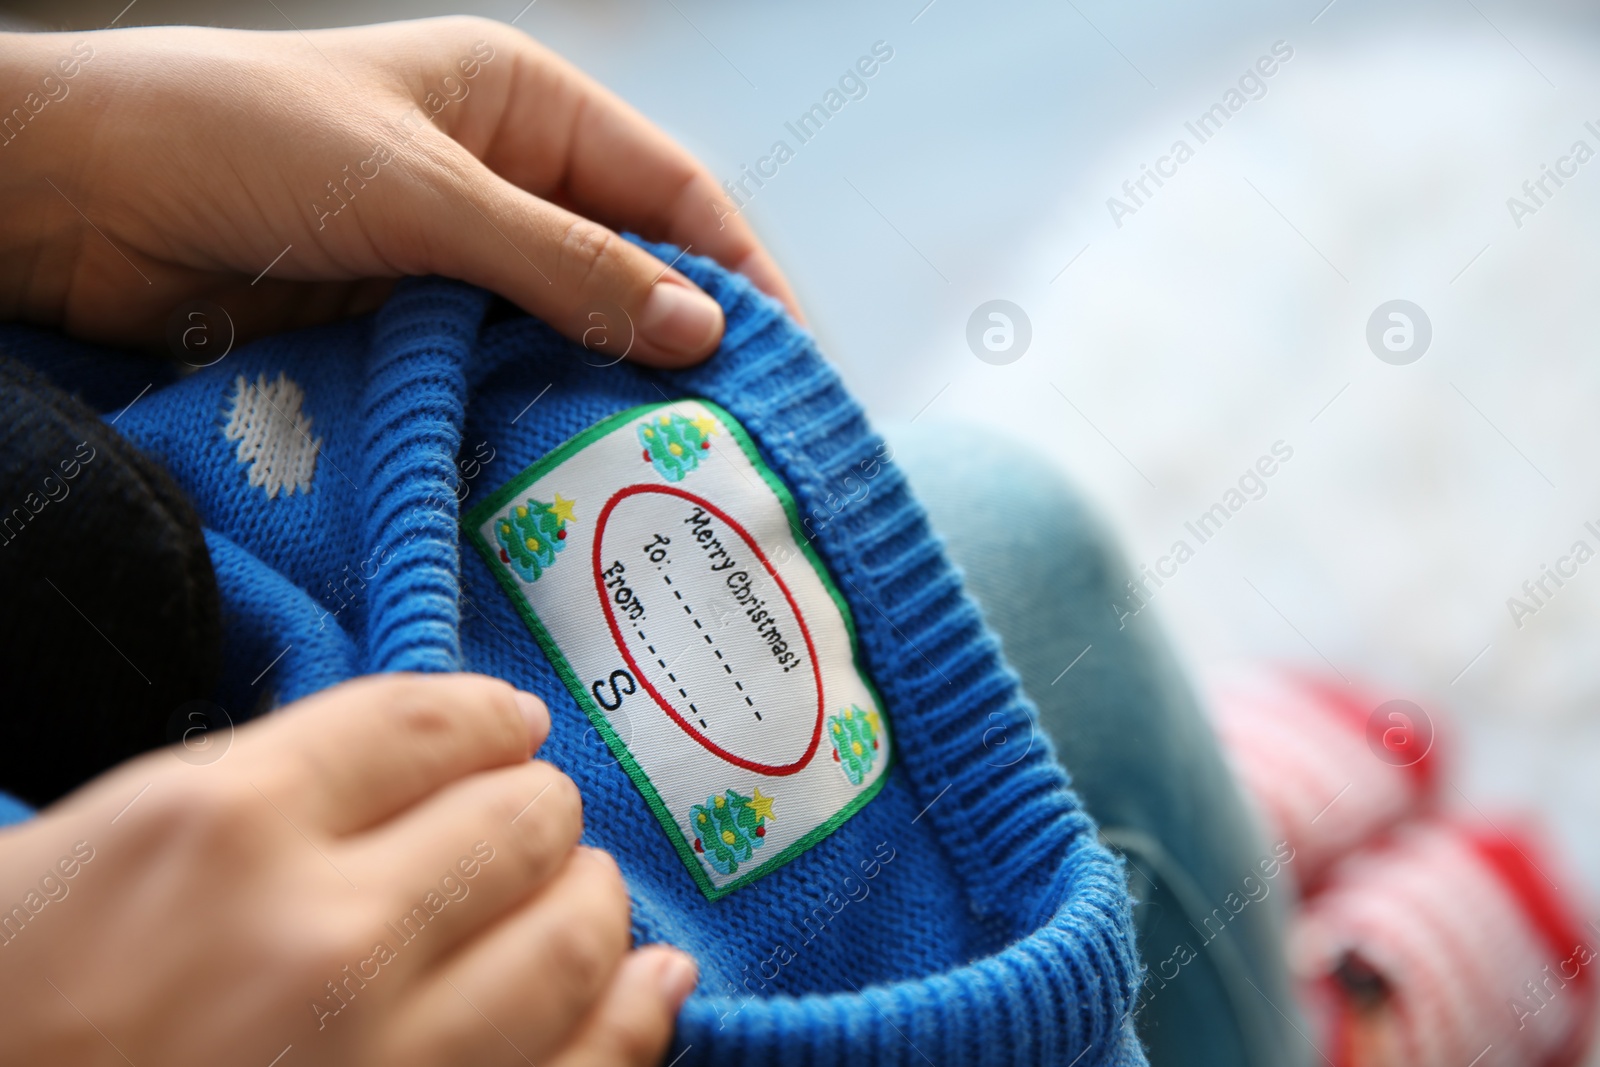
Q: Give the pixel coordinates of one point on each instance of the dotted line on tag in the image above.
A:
(667, 578)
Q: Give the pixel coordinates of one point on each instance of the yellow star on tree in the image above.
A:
(705, 424)
(761, 805)
(562, 509)
(872, 719)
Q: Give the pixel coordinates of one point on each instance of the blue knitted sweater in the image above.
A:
(992, 928)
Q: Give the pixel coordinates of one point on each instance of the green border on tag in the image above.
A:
(508, 581)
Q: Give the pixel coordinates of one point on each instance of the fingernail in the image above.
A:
(680, 319)
(533, 712)
(678, 976)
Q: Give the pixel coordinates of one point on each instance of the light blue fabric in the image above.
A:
(1000, 932)
(1124, 719)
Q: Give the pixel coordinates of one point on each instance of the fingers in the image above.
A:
(575, 274)
(549, 129)
(531, 978)
(460, 859)
(356, 754)
(618, 167)
(632, 1024)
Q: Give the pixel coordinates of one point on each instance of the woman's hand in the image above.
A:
(288, 177)
(376, 875)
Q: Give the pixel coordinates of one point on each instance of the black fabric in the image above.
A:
(110, 620)
(105, 379)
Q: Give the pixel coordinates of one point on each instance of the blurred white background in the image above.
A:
(1227, 314)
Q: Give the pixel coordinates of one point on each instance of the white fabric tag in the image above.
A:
(662, 567)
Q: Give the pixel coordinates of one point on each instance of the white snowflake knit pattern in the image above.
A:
(274, 435)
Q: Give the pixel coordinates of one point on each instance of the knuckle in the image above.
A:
(444, 35)
(430, 710)
(586, 249)
(546, 827)
(473, 24)
(497, 34)
(586, 949)
(222, 819)
(422, 720)
(583, 955)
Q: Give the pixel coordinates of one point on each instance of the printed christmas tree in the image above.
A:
(854, 736)
(674, 444)
(531, 534)
(730, 828)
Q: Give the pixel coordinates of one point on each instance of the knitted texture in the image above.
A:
(986, 924)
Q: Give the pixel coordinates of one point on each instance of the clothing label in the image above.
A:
(661, 565)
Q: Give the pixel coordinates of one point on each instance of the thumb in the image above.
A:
(577, 275)
(632, 1024)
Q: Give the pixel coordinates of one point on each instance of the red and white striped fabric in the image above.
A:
(1327, 768)
(1447, 945)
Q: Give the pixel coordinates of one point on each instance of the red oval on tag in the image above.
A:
(647, 601)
